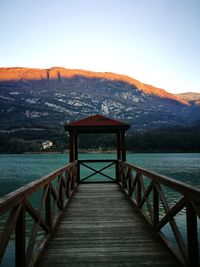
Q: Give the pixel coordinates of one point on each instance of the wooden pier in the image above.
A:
(101, 213)
(100, 227)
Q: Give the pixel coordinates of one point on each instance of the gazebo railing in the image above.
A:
(153, 194)
(97, 170)
(29, 214)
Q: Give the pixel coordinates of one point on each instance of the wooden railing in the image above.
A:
(148, 191)
(32, 212)
(97, 170)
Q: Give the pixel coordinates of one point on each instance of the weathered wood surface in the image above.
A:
(101, 228)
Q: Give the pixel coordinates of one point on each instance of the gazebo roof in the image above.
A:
(97, 123)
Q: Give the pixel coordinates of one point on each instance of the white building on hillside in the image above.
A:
(47, 144)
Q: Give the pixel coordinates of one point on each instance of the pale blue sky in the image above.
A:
(154, 41)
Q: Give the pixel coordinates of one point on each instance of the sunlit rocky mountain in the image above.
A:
(34, 99)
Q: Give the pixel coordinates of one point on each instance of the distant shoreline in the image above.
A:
(108, 152)
(67, 151)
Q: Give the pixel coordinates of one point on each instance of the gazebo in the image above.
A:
(96, 124)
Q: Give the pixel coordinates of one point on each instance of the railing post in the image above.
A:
(155, 206)
(60, 191)
(130, 187)
(117, 171)
(73, 174)
(123, 145)
(78, 172)
(192, 236)
(123, 175)
(139, 195)
(48, 208)
(20, 238)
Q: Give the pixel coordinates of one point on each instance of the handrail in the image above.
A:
(97, 160)
(145, 189)
(57, 188)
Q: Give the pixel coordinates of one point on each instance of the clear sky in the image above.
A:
(154, 41)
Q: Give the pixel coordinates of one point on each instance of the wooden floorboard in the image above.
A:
(101, 228)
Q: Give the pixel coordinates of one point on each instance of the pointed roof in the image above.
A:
(97, 123)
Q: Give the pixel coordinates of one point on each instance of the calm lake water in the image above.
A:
(18, 170)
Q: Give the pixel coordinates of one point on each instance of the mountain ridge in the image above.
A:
(35, 104)
(37, 100)
(191, 97)
(54, 73)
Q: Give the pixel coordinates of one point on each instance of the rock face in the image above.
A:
(36, 98)
(58, 73)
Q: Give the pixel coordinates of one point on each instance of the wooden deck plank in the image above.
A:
(101, 228)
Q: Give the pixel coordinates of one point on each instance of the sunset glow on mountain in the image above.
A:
(7, 74)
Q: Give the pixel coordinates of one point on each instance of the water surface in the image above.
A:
(18, 170)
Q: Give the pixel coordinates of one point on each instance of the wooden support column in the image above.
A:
(78, 173)
(123, 146)
(155, 206)
(119, 146)
(139, 190)
(71, 146)
(20, 239)
(48, 208)
(192, 236)
(75, 146)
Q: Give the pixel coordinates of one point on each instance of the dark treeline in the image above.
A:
(31, 141)
(169, 140)
(162, 140)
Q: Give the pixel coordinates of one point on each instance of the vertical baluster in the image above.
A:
(60, 190)
(124, 177)
(70, 182)
(192, 236)
(48, 208)
(78, 172)
(139, 193)
(123, 145)
(119, 157)
(20, 238)
(117, 171)
(130, 186)
(121, 171)
(73, 173)
(155, 206)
